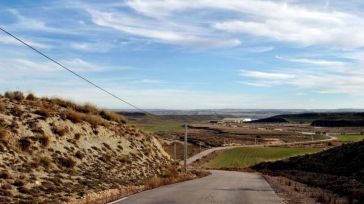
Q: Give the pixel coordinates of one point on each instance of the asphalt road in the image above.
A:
(226, 187)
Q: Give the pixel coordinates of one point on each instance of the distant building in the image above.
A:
(236, 120)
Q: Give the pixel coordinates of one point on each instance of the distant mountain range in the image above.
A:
(251, 113)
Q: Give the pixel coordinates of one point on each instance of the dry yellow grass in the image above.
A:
(73, 116)
(16, 95)
(112, 116)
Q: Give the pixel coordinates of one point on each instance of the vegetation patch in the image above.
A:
(248, 156)
(350, 138)
(163, 127)
(339, 170)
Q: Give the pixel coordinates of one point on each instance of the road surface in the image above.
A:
(220, 187)
(209, 151)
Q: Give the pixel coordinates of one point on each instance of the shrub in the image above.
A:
(61, 131)
(79, 155)
(16, 95)
(43, 112)
(154, 182)
(94, 121)
(3, 134)
(2, 107)
(77, 136)
(66, 162)
(31, 97)
(112, 116)
(73, 116)
(24, 144)
(89, 108)
(19, 182)
(4, 175)
(45, 161)
(44, 140)
(61, 102)
(16, 111)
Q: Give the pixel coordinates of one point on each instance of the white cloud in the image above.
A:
(267, 75)
(320, 62)
(28, 23)
(339, 83)
(304, 24)
(11, 41)
(149, 81)
(29, 66)
(297, 24)
(159, 31)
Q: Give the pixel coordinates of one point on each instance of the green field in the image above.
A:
(163, 127)
(350, 138)
(249, 156)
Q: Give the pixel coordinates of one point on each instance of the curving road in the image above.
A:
(220, 187)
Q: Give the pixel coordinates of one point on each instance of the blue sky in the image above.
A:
(189, 54)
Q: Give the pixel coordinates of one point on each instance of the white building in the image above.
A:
(236, 120)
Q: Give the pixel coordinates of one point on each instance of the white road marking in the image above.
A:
(121, 199)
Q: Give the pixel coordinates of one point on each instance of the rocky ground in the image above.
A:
(55, 151)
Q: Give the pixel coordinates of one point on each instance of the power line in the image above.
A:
(74, 73)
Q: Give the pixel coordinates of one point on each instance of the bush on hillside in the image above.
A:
(94, 121)
(24, 144)
(73, 116)
(31, 97)
(112, 116)
(43, 112)
(16, 95)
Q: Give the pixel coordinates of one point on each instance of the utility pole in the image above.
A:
(200, 146)
(255, 140)
(174, 148)
(185, 155)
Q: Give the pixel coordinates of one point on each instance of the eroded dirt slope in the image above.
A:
(54, 150)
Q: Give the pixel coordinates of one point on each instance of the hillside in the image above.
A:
(345, 119)
(340, 169)
(55, 151)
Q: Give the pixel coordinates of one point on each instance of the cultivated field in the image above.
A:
(248, 156)
(350, 138)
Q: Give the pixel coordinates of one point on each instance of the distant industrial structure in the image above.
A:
(232, 120)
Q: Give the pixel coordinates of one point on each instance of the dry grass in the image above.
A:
(94, 120)
(16, 95)
(19, 182)
(24, 144)
(31, 97)
(5, 175)
(3, 134)
(45, 161)
(17, 111)
(154, 182)
(73, 116)
(43, 112)
(89, 109)
(66, 162)
(2, 107)
(59, 130)
(112, 116)
(44, 140)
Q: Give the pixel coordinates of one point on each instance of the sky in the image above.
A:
(188, 54)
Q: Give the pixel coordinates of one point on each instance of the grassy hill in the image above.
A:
(340, 169)
(55, 151)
